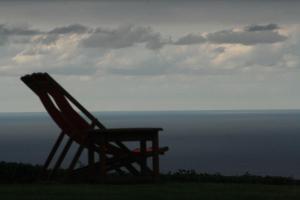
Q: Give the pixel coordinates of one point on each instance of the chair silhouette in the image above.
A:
(86, 130)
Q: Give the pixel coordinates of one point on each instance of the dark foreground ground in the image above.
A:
(207, 191)
(20, 181)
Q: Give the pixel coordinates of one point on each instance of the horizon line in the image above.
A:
(173, 110)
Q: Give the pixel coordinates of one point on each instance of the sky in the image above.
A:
(153, 55)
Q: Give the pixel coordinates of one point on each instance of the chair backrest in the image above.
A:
(58, 103)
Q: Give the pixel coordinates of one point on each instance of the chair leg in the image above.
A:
(53, 151)
(75, 159)
(155, 162)
(102, 159)
(143, 158)
(62, 155)
(91, 161)
(128, 165)
(118, 161)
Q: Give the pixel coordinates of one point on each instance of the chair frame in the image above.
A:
(107, 143)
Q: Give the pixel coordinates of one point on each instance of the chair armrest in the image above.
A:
(125, 134)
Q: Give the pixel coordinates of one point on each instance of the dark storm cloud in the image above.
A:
(249, 35)
(73, 28)
(245, 37)
(129, 35)
(124, 36)
(17, 30)
(54, 34)
(190, 39)
(6, 31)
(268, 27)
(51, 36)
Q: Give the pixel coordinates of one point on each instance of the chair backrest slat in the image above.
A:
(57, 102)
(77, 104)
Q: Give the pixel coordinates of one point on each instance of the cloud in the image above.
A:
(7, 31)
(17, 30)
(190, 39)
(140, 51)
(249, 35)
(245, 37)
(268, 27)
(124, 36)
(133, 62)
(55, 34)
(73, 28)
(152, 66)
(191, 60)
(129, 35)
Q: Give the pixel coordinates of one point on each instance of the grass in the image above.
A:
(171, 190)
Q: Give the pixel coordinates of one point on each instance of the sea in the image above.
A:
(229, 142)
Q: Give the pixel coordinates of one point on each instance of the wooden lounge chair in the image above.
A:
(84, 129)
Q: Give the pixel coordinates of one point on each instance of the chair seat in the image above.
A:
(149, 150)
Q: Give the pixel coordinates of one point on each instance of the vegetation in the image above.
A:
(27, 173)
(191, 176)
(18, 172)
(20, 181)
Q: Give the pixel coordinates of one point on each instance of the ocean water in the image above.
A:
(227, 142)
